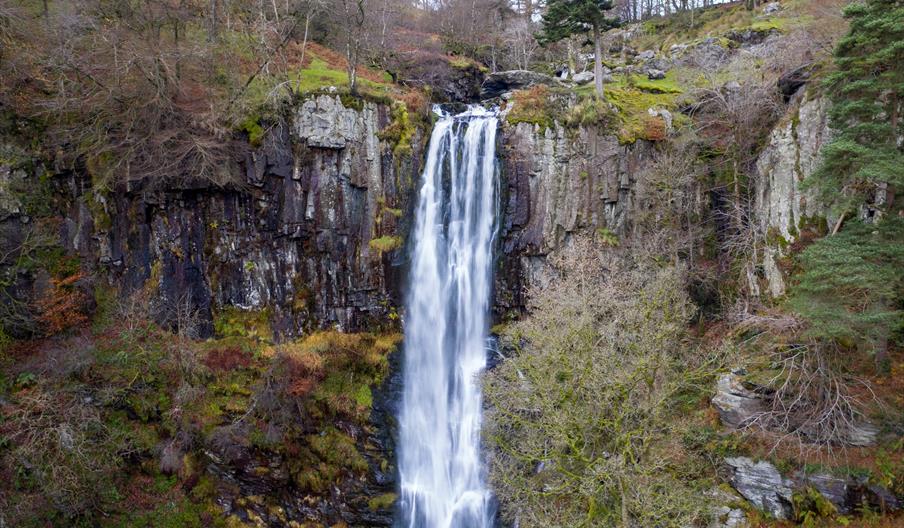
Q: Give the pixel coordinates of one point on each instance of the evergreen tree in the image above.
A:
(852, 287)
(565, 18)
(867, 91)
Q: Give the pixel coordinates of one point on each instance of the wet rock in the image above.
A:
(497, 83)
(736, 404)
(762, 485)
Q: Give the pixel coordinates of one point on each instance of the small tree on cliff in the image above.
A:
(565, 18)
(867, 93)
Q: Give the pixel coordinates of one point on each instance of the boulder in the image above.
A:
(772, 7)
(677, 49)
(646, 55)
(664, 114)
(736, 404)
(498, 83)
(849, 494)
(748, 37)
(762, 485)
(583, 77)
(655, 75)
(834, 489)
(726, 517)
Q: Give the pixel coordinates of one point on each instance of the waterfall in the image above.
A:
(446, 327)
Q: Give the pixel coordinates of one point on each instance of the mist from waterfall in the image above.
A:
(446, 326)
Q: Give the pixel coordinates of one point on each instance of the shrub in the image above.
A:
(589, 111)
(602, 370)
(534, 105)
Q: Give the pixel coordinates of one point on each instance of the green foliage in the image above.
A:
(564, 18)
(867, 93)
(382, 502)
(386, 243)
(255, 131)
(170, 514)
(810, 507)
(607, 237)
(850, 288)
(589, 111)
(232, 321)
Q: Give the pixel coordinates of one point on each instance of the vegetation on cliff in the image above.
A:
(125, 424)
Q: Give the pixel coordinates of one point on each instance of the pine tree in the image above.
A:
(565, 18)
(852, 288)
(867, 91)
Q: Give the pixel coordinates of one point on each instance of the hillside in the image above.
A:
(209, 216)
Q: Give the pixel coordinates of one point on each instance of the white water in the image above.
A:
(446, 326)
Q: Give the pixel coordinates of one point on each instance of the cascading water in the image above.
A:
(446, 326)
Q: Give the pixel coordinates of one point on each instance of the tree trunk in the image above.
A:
(597, 60)
(304, 45)
(213, 23)
(572, 65)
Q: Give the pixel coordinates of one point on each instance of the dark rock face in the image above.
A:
(499, 83)
(294, 239)
(790, 82)
(449, 82)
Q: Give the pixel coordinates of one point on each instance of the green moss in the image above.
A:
(232, 321)
(386, 243)
(364, 396)
(633, 96)
(462, 62)
(382, 502)
(327, 456)
(775, 238)
(589, 111)
(400, 131)
(170, 514)
(253, 128)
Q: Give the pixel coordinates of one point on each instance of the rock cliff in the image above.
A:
(556, 182)
(781, 208)
(294, 236)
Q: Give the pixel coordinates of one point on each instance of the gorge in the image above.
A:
(463, 292)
